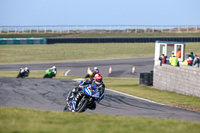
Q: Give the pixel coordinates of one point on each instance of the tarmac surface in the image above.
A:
(50, 94)
(120, 67)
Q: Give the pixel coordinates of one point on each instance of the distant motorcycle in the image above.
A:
(49, 73)
(84, 99)
(23, 72)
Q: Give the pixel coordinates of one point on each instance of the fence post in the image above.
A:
(196, 28)
(8, 29)
(30, 29)
(0, 30)
(60, 28)
(153, 29)
(93, 27)
(38, 29)
(52, 29)
(85, 28)
(127, 29)
(136, 29)
(162, 28)
(45, 29)
(68, 28)
(144, 28)
(23, 30)
(15, 29)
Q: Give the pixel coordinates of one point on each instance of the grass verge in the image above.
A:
(131, 86)
(15, 120)
(72, 52)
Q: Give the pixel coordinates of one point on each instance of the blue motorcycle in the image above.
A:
(85, 98)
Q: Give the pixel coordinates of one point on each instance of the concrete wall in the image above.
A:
(183, 79)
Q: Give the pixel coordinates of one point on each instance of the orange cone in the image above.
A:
(133, 69)
(110, 70)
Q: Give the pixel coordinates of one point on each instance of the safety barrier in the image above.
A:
(5, 41)
(122, 40)
(183, 79)
(146, 78)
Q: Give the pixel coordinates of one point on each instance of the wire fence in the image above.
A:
(43, 29)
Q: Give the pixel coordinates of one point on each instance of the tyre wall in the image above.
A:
(121, 40)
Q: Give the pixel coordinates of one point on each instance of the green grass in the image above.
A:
(72, 52)
(15, 120)
(130, 86)
(112, 34)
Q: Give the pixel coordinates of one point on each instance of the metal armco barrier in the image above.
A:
(121, 40)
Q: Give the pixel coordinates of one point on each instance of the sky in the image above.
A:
(99, 12)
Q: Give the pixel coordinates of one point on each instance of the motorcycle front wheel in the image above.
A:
(45, 76)
(82, 104)
(66, 108)
(18, 75)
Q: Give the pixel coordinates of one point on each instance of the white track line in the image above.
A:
(135, 97)
(67, 72)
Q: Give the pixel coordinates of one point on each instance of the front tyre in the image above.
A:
(45, 76)
(18, 76)
(66, 108)
(82, 104)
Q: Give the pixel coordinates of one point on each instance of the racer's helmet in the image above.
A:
(26, 69)
(96, 70)
(98, 79)
(54, 68)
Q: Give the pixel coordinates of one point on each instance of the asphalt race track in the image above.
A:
(120, 67)
(50, 94)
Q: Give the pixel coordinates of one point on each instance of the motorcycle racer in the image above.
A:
(51, 72)
(96, 84)
(23, 72)
(91, 74)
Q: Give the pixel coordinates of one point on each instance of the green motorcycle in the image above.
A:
(50, 73)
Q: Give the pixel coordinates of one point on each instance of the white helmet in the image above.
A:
(26, 68)
(54, 67)
(96, 69)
